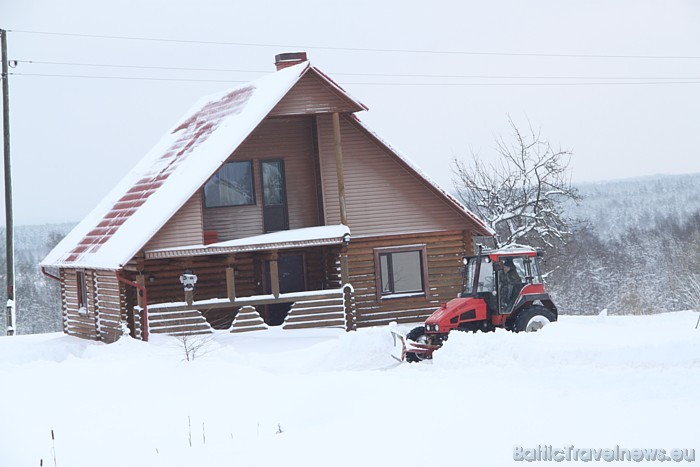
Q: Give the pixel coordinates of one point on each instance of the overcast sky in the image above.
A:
(74, 138)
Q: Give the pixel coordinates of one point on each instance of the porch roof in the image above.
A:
(297, 238)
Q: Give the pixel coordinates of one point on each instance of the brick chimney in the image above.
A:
(292, 58)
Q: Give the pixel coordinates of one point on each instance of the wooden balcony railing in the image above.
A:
(310, 309)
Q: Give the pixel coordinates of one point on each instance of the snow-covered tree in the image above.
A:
(520, 196)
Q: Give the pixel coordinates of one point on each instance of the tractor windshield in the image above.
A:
(486, 278)
(527, 268)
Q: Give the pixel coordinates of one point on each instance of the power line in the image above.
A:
(356, 49)
(393, 75)
(143, 67)
(515, 77)
(135, 78)
(527, 84)
(131, 78)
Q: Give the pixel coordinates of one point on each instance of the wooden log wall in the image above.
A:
(64, 304)
(76, 321)
(136, 323)
(445, 276)
(106, 305)
(110, 305)
(322, 271)
(211, 277)
(327, 310)
(248, 319)
(350, 308)
(177, 323)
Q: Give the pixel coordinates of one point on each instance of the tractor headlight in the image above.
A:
(436, 327)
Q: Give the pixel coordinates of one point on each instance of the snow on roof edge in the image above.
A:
(304, 234)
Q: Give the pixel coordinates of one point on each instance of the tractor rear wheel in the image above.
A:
(416, 335)
(533, 318)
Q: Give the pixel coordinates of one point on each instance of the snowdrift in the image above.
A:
(321, 397)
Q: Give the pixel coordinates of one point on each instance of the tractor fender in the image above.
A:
(528, 299)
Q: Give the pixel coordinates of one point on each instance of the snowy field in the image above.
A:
(328, 398)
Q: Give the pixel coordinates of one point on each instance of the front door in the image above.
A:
(291, 273)
(275, 215)
(292, 278)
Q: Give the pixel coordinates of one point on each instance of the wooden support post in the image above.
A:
(339, 168)
(344, 269)
(140, 280)
(230, 284)
(274, 276)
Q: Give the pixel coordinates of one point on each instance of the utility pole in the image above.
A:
(10, 312)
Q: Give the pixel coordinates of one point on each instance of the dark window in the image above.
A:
(82, 290)
(401, 270)
(232, 185)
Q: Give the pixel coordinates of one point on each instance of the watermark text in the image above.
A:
(549, 453)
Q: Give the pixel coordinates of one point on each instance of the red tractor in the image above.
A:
(503, 289)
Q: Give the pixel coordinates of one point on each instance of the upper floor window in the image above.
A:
(232, 185)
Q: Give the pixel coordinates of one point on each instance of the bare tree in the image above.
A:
(521, 195)
(195, 345)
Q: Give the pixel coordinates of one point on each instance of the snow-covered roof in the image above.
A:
(182, 161)
(306, 237)
(172, 172)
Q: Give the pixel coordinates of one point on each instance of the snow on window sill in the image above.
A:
(402, 295)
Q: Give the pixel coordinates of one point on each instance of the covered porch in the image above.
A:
(292, 279)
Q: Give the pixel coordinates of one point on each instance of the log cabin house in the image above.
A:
(271, 204)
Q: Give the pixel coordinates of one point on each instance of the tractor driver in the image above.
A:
(510, 283)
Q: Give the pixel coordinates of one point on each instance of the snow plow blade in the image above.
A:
(406, 350)
(398, 351)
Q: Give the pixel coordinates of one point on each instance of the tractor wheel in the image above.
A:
(416, 335)
(533, 318)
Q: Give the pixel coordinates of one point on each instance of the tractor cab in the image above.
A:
(499, 276)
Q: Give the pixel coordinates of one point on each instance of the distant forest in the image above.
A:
(636, 250)
(38, 297)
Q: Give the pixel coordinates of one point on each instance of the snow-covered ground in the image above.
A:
(320, 398)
